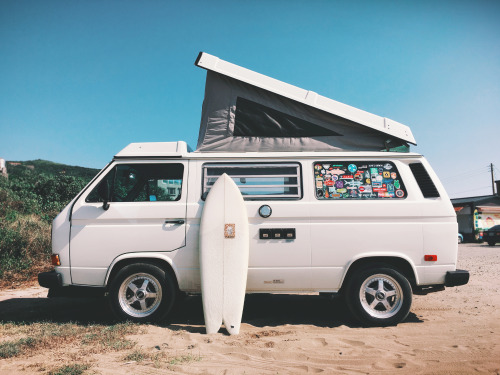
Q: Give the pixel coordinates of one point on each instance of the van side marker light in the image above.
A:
(55, 260)
(430, 258)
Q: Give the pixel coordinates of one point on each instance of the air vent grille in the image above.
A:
(424, 181)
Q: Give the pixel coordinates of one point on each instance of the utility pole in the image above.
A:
(492, 178)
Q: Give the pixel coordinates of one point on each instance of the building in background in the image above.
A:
(3, 168)
(476, 214)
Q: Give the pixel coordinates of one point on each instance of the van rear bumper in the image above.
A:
(50, 279)
(456, 278)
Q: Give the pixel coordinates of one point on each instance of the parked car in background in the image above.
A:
(492, 235)
(460, 238)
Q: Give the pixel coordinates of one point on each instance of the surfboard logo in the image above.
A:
(229, 231)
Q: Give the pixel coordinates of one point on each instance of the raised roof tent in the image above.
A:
(246, 111)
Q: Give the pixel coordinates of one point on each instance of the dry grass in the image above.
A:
(25, 246)
(73, 369)
(19, 339)
(160, 359)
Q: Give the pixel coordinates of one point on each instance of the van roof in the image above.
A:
(226, 80)
(154, 149)
(160, 150)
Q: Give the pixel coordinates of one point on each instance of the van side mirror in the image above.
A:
(104, 193)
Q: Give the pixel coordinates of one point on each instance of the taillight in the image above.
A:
(55, 260)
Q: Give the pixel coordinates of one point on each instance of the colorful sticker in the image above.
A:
(353, 180)
(366, 189)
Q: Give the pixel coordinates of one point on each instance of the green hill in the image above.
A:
(32, 195)
(49, 168)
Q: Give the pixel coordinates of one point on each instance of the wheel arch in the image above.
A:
(400, 264)
(124, 260)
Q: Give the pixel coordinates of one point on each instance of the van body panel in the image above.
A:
(330, 234)
(61, 228)
(99, 236)
(166, 257)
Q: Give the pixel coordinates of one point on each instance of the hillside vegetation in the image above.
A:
(30, 199)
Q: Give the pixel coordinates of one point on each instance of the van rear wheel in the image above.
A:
(379, 296)
(142, 293)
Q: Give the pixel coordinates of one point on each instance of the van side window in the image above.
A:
(424, 181)
(357, 180)
(141, 183)
(258, 181)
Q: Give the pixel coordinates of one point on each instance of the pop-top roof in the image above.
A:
(247, 111)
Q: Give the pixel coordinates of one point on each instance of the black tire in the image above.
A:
(491, 243)
(142, 292)
(460, 240)
(382, 283)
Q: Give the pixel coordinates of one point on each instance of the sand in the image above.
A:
(451, 332)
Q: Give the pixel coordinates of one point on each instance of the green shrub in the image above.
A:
(29, 200)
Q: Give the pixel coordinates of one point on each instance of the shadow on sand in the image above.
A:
(261, 310)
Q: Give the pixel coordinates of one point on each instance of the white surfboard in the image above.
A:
(224, 243)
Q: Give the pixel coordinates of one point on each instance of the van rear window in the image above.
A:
(258, 181)
(424, 181)
(357, 180)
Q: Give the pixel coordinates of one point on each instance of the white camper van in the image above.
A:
(335, 204)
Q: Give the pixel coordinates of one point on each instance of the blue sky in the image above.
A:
(79, 80)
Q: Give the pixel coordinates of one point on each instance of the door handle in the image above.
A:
(178, 222)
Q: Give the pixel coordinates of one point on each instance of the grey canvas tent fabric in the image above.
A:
(240, 117)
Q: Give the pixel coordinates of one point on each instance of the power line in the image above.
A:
(484, 168)
(476, 172)
(477, 188)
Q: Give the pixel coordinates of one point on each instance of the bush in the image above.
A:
(29, 201)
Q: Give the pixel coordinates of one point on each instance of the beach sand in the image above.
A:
(456, 331)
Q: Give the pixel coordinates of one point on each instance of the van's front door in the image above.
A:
(146, 213)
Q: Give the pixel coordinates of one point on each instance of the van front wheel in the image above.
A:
(379, 296)
(142, 293)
